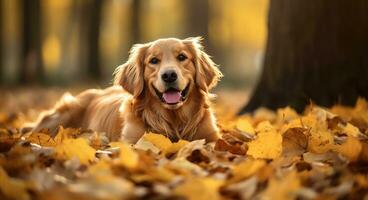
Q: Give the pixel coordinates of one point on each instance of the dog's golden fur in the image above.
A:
(132, 107)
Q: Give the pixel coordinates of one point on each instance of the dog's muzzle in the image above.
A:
(172, 95)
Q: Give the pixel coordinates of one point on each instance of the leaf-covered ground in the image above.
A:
(321, 154)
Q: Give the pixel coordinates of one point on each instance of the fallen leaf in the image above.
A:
(42, 139)
(78, 148)
(160, 142)
(294, 142)
(351, 148)
(222, 145)
(320, 141)
(13, 188)
(246, 169)
(284, 188)
(244, 125)
(200, 189)
(267, 145)
(286, 114)
(127, 156)
(350, 130)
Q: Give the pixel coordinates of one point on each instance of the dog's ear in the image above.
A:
(130, 74)
(207, 73)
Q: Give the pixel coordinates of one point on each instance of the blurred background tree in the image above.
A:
(72, 42)
(1, 42)
(31, 67)
(316, 51)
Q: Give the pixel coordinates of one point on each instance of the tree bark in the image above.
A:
(197, 21)
(1, 42)
(316, 51)
(31, 69)
(135, 22)
(93, 35)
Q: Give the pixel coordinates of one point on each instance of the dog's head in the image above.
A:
(170, 69)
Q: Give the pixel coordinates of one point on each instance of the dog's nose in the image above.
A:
(169, 76)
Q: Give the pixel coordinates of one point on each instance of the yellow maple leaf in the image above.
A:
(320, 141)
(200, 189)
(78, 148)
(351, 148)
(162, 143)
(13, 188)
(247, 168)
(264, 126)
(176, 146)
(127, 156)
(350, 130)
(243, 124)
(286, 114)
(158, 140)
(268, 145)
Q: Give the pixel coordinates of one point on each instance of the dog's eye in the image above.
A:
(154, 60)
(181, 57)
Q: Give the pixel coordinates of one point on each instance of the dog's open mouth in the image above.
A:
(173, 96)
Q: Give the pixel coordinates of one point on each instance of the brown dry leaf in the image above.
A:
(42, 139)
(190, 147)
(75, 148)
(66, 133)
(7, 139)
(222, 145)
(267, 145)
(364, 152)
(200, 189)
(294, 142)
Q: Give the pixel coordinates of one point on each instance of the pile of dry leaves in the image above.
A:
(321, 154)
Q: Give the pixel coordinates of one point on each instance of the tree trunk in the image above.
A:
(1, 42)
(31, 69)
(197, 21)
(93, 35)
(316, 51)
(135, 22)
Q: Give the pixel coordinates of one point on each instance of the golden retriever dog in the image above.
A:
(162, 88)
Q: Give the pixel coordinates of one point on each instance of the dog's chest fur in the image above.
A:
(176, 124)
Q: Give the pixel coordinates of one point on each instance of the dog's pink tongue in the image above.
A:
(172, 96)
